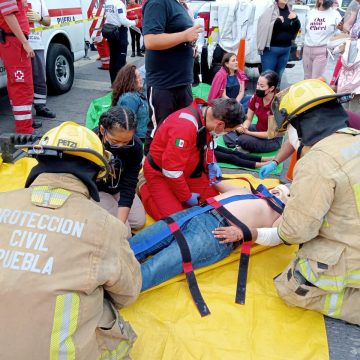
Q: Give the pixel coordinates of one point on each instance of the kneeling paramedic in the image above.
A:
(66, 264)
(323, 211)
(180, 167)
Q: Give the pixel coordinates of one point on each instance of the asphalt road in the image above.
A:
(91, 83)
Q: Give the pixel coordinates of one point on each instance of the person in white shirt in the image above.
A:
(38, 15)
(320, 25)
(115, 14)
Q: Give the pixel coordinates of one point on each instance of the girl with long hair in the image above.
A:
(128, 91)
(229, 81)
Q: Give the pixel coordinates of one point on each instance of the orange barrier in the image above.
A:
(289, 173)
(241, 54)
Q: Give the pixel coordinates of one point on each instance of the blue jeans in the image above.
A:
(275, 58)
(166, 261)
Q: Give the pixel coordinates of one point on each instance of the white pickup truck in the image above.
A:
(73, 24)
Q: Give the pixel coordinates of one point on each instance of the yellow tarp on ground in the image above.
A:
(13, 176)
(169, 326)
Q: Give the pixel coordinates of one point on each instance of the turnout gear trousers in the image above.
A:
(66, 268)
(323, 215)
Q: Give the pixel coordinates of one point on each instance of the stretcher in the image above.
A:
(169, 326)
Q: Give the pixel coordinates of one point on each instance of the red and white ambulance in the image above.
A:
(74, 23)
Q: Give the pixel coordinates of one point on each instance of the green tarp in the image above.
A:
(96, 108)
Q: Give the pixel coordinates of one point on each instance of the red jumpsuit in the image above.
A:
(174, 150)
(18, 67)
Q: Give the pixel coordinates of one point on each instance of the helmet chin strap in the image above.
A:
(299, 150)
(204, 111)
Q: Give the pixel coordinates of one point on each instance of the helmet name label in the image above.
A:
(67, 143)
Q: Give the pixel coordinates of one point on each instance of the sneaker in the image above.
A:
(44, 112)
(139, 54)
(132, 54)
(36, 124)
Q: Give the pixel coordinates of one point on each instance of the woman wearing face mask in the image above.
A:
(276, 29)
(254, 138)
(128, 92)
(229, 82)
(117, 192)
(321, 24)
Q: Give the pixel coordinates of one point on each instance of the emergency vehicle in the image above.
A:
(74, 23)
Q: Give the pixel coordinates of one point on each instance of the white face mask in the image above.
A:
(293, 137)
(214, 134)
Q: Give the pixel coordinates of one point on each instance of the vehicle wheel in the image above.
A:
(59, 69)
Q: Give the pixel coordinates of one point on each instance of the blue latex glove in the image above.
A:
(214, 173)
(267, 169)
(193, 200)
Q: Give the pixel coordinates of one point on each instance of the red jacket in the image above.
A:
(135, 14)
(174, 149)
(15, 7)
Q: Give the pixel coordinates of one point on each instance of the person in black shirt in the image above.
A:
(168, 36)
(285, 29)
(117, 192)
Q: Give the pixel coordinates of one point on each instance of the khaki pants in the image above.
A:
(137, 215)
(292, 288)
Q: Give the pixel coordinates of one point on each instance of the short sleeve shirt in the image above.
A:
(172, 67)
(35, 38)
(15, 7)
(256, 104)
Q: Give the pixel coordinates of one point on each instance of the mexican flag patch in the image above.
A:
(180, 143)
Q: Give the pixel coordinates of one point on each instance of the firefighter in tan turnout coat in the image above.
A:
(323, 211)
(66, 266)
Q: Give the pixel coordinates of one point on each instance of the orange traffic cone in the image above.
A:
(104, 53)
(241, 54)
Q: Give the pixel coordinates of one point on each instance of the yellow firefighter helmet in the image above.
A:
(73, 139)
(300, 97)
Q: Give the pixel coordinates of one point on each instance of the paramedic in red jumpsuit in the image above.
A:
(16, 54)
(174, 155)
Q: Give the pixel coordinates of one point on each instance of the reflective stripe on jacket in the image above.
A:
(323, 212)
(59, 253)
